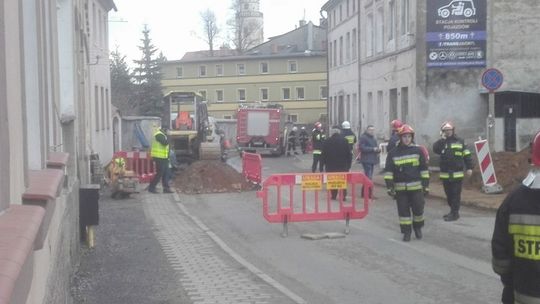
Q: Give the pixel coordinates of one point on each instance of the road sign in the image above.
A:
(492, 79)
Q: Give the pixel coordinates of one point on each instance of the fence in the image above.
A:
(139, 162)
(252, 167)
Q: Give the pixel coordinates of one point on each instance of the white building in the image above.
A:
(251, 23)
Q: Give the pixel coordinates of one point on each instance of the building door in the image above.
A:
(509, 128)
(341, 110)
(393, 105)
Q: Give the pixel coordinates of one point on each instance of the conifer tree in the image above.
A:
(122, 96)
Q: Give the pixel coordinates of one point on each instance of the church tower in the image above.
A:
(250, 23)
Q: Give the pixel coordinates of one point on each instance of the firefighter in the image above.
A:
(515, 244)
(317, 139)
(160, 154)
(292, 141)
(304, 137)
(407, 180)
(348, 134)
(336, 156)
(394, 138)
(454, 158)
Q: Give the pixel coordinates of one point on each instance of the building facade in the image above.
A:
(422, 62)
(289, 69)
(251, 23)
(48, 131)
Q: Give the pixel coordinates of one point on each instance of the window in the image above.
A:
(392, 21)
(108, 109)
(246, 6)
(379, 30)
(264, 94)
(348, 47)
(334, 18)
(100, 34)
(293, 68)
(241, 94)
(354, 52)
(330, 20)
(219, 69)
(102, 90)
(203, 94)
(323, 92)
(335, 53)
(330, 55)
(286, 93)
(380, 108)
(369, 36)
(94, 23)
(202, 71)
(348, 7)
(405, 104)
(292, 117)
(96, 102)
(219, 95)
(227, 117)
(341, 50)
(370, 109)
(264, 67)
(348, 106)
(241, 69)
(405, 17)
(354, 6)
(179, 72)
(340, 13)
(300, 93)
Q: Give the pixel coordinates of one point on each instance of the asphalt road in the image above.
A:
(370, 265)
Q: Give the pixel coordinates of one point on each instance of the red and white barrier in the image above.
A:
(252, 167)
(139, 162)
(486, 167)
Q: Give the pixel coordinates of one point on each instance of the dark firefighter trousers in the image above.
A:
(452, 189)
(407, 201)
(317, 159)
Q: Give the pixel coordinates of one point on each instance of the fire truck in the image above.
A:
(262, 128)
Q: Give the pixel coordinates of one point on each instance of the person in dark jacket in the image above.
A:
(317, 139)
(336, 156)
(394, 138)
(454, 158)
(515, 244)
(407, 180)
(304, 138)
(369, 150)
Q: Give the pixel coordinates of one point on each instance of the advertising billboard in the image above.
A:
(456, 33)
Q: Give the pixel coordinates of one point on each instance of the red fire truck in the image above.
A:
(262, 128)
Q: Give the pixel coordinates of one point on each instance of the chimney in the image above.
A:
(302, 22)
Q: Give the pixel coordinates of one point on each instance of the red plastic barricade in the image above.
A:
(139, 162)
(252, 167)
(306, 197)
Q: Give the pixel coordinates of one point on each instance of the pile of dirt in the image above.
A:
(210, 176)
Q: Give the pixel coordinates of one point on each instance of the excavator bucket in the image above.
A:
(210, 151)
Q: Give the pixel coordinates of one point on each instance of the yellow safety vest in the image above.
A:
(350, 139)
(159, 150)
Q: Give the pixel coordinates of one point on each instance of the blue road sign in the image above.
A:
(492, 79)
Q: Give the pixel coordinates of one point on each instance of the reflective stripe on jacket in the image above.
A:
(455, 157)
(159, 150)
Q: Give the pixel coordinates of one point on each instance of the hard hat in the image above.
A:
(535, 150)
(396, 124)
(346, 125)
(294, 128)
(447, 126)
(303, 128)
(405, 129)
(318, 125)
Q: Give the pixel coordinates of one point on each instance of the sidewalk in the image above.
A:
(470, 198)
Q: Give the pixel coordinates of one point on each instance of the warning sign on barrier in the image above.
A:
(336, 181)
(311, 182)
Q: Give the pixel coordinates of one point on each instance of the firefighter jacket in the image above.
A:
(336, 155)
(349, 135)
(317, 138)
(454, 157)
(516, 246)
(292, 137)
(406, 169)
(304, 136)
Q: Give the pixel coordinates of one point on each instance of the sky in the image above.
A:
(176, 27)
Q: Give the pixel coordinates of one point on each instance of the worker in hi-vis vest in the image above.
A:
(160, 155)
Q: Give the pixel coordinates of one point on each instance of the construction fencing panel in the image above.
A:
(306, 197)
(139, 162)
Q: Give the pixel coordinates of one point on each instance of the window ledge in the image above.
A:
(57, 160)
(19, 227)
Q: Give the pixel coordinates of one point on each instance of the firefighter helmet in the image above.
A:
(294, 128)
(318, 125)
(447, 125)
(346, 125)
(396, 124)
(535, 150)
(405, 129)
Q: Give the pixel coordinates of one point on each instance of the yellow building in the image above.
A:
(289, 69)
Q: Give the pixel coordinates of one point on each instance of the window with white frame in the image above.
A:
(405, 11)
(348, 47)
(341, 50)
(264, 94)
(379, 30)
(264, 67)
(330, 54)
(392, 20)
(241, 94)
(292, 118)
(323, 92)
(353, 41)
(203, 94)
(300, 93)
(227, 116)
(202, 71)
(335, 53)
(370, 44)
(179, 72)
(219, 69)
(292, 66)
(219, 95)
(241, 69)
(286, 93)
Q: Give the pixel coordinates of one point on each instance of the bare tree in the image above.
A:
(210, 28)
(243, 29)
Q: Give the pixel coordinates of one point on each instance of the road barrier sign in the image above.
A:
(301, 197)
(486, 167)
(252, 167)
(139, 162)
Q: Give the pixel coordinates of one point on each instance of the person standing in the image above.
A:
(515, 244)
(349, 135)
(317, 138)
(369, 151)
(407, 180)
(394, 138)
(304, 137)
(291, 137)
(160, 154)
(454, 158)
(336, 156)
